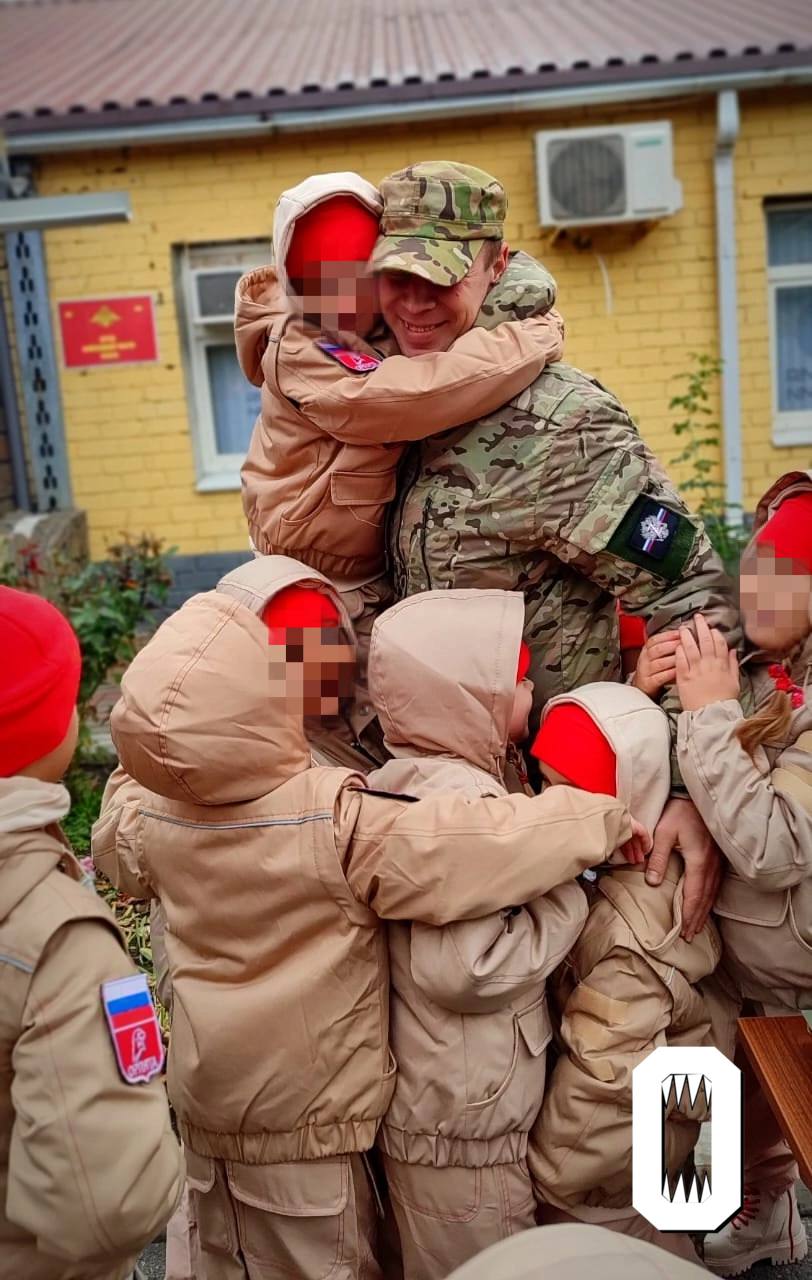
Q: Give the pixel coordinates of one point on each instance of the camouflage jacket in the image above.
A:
(557, 496)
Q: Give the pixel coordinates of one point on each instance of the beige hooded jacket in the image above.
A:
(469, 1025)
(89, 1168)
(321, 464)
(759, 811)
(273, 874)
(630, 987)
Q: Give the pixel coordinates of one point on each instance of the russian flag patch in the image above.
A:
(355, 361)
(134, 1028)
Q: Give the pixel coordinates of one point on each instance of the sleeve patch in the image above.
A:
(355, 361)
(655, 537)
(133, 1026)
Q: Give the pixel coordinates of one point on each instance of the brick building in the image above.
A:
(205, 123)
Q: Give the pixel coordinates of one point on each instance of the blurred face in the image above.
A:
(317, 673)
(522, 706)
(428, 317)
(775, 598)
(339, 295)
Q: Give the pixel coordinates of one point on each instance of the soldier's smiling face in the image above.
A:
(424, 316)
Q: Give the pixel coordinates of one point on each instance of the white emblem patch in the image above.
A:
(654, 529)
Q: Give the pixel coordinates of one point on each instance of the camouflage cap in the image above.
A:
(436, 219)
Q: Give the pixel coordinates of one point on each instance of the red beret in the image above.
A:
(298, 607)
(337, 230)
(570, 742)
(39, 679)
(789, 531)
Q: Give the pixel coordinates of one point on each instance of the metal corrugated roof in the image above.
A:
(76, 57)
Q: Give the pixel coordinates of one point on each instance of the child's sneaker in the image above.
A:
(764, 1229)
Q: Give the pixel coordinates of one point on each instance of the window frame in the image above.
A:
(790, 426)
(215, 471)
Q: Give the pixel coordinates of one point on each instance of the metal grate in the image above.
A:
(587, 177)
(38, 370)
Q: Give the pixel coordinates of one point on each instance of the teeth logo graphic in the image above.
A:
(671, 1088)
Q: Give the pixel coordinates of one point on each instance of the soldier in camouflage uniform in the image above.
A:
(555, 495)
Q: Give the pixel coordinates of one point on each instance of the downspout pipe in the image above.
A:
(727, 132)
(11, 416)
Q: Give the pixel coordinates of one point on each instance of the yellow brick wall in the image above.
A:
(128, 428)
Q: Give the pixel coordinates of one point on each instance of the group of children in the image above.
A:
(358, 965)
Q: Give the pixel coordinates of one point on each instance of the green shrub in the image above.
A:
(701, 455)
(109, 604)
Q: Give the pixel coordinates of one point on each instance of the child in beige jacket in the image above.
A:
(469, 1025)
(274, 875)
(751, 780)
(630, 983)
(338, 412)
(89, 1167)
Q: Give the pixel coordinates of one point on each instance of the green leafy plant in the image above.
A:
(86, 791)
(107, 602)
(700, 456)
(110, 605)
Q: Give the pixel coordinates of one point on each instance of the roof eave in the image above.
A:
(281, 112)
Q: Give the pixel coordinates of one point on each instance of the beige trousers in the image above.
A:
(308, 1219)
(446, 1216)
(181, 1243)
(769, 1165)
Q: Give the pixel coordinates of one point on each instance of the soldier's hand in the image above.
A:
(656, 665)
(681, 828)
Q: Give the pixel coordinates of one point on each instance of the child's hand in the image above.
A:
(656, 666)
(707, 671)
(636, 849)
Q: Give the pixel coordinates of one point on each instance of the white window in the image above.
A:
(789, 256)
(223, 404)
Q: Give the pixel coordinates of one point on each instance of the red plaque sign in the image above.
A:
(108, 331)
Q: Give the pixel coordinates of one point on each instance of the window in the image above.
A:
(789, 256)
(223, 403)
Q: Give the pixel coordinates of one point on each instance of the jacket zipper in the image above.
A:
(423, 556)
(406, 479)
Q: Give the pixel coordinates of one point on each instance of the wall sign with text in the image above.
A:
(108, 331)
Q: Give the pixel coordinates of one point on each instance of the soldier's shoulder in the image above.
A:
(525, 289)
(566, 396)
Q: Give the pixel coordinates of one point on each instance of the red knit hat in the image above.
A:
(340, 229)
(570, 742)
(524, 662)
(298, 607)
(39, 679)
(789, 531)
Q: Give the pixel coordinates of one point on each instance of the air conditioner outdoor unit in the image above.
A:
(623, 173)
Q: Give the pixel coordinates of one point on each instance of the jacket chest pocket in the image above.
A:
(532, 1032)
(535, 1027)
(363, 494)
(745, 903)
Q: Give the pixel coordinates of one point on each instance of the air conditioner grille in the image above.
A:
(587, 177)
